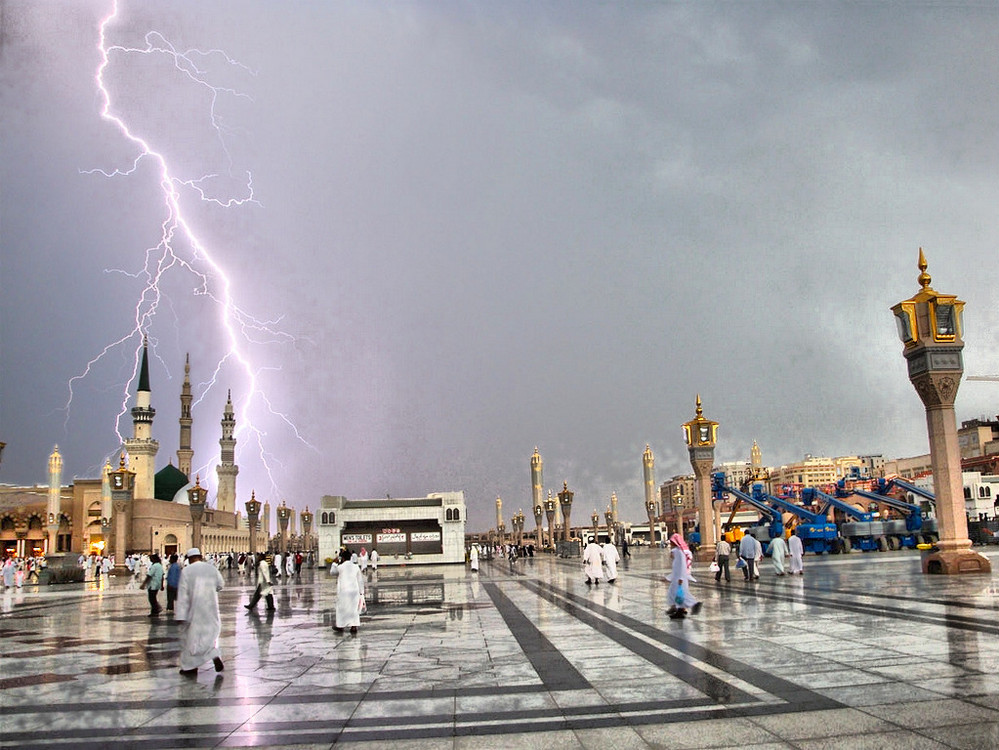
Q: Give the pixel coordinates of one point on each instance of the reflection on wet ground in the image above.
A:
(862, 649)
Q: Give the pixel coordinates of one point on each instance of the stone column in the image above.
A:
(253, 520)
(929, 325)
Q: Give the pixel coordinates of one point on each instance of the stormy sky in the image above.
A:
(481, 227)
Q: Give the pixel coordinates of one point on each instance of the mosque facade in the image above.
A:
(153, 516)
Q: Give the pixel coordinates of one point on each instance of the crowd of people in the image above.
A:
(17, 571)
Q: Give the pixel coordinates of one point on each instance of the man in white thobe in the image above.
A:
(592, 563)
(349, 594)
(277, 563)
(374, 559)
(611, 558)
(797, 550)
(289, 564)
(778, 551)
(473, 558)
(198, 606)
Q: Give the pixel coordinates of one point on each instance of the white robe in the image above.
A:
(263, 578)
(473, 558)
(198, 606)
(374, 559)
(797, 550)
(680, 572)
(611, 559)
(289, 565)
(363, 561)
(592, 559)
(277, 564)
(778, 551)
(349, 590)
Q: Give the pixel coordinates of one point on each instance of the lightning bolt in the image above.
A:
(179, 248)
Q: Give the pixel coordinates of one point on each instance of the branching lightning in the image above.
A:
(180, 249)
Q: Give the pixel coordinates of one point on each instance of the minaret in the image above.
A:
(613, 506)
(185, 454)
(755, 460)
(537, 477)
(141, 447)
(649, 470)
(227, 469)
(55, 493)
(499, 513)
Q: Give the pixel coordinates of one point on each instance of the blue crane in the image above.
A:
(816, 532)
(774, 521)
(912, 528)
(864, 532)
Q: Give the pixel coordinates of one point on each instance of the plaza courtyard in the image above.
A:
(863, 651)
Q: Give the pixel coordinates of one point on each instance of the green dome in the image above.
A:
(168, 482)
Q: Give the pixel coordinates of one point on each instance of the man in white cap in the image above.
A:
(198, 606)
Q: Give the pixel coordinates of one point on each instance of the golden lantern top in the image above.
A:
(122, 478)
(700, 431)
(929, 317)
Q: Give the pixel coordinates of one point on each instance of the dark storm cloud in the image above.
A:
(492, 226)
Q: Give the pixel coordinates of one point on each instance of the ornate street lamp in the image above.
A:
(701, 435)
(253, 519)
(550, 515)
(284, 514)
(196, 498)
(595, 520)
(539, 513)
(930, 327)
(122, 485)
(307, 518)
(609, 518)
(650, 509)
(565, 501)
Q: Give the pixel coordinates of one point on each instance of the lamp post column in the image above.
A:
(550, 515)
(284, 514)
(196, 497)
(122, 484)
(565, 502)
(253, 519)
(307, 518)
(701, 435)
(929, 325)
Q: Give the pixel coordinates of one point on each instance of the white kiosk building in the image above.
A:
(412, 530)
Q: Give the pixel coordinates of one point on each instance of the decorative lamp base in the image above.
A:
(953, 562)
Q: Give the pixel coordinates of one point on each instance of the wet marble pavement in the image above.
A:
(862, 651)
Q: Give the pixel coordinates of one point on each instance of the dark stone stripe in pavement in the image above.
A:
(34, 679)
(555, 671)
(849, 604)
(715, 688)
(773, 685)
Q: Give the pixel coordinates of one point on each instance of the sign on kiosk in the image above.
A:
(390, 537)
(356, 539)
(425, 536)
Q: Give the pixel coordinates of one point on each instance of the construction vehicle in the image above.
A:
(772, 525)
(865, 532)
(910, 530)
(817, 533)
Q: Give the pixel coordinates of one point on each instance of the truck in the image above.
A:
(910, 530)
(860, 529)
